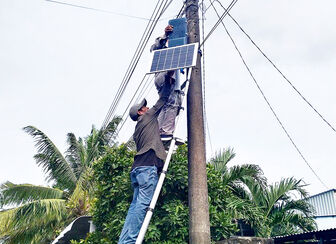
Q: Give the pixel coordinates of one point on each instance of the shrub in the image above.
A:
(170, 220)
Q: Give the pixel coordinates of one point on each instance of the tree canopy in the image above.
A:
(36, 214)
(229, 199)
(92, 177)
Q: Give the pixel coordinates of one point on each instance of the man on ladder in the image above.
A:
(148, 161)
(171, 108)
(150, 156)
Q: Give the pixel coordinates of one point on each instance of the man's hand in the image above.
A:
(168, 30)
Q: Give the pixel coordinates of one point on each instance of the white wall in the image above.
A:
(325, 223)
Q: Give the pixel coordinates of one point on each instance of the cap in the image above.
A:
(133, 113)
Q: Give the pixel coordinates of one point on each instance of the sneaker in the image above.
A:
(179, 141)
(166, 138)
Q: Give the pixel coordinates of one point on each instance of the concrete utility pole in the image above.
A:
(199, 224)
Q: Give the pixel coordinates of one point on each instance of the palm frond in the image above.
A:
(285, 223)
(257, 194)
(245, 173)
(99, 139)
(222, 158)
(81, 198)
(244, 209)
(5, 219)
(107, 135)
(36, 233)
(76, 154)
(51, 160)
(93, 147)
(297, 206)
(36, 213)
(13, 194)
(281, 191)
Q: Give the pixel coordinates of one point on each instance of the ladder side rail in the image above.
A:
(158, 188)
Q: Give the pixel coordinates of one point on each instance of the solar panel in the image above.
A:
(174, 58)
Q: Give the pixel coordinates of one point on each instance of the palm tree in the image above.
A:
(282, 214)
(276, 212)
(237, 177)
(34, 213)
(38, 211)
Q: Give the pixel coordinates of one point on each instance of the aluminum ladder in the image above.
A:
(158, 188)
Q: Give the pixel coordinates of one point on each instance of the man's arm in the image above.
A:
(164, 93)
(161, 41)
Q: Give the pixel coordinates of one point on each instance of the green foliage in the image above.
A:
(18, 194)
(269, 209)
(32, 222)
(236, 193)
(92, 175)
(51, 159)
(38, 212)
(169, 224)
(281, 213)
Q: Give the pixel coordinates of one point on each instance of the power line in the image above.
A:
(282, 74)
(269, 105)
(147, 83)
(138, 55)
(207, 131)
(98, 10)
(149, 87)
(219, 21)
(144, 88)
(179, 15)
(132, 100)
(159, 9)
(157, 13)
(131, 66)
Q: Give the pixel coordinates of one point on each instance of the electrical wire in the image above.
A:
(281, 73)
(268, 103)
(180, 13)
(147, 83)
(207, 131)
(157, 13)
(166, 6)
(219, 21)
(98, 10)
(151, 85)
(157, 17)
(143, 90)
(132, 66)
(203, 66)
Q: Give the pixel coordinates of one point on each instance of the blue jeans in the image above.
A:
(144, 180)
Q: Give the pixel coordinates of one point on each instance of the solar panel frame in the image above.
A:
(174, 58)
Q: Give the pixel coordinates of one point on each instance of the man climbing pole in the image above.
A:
(171, 108)
(148, 161)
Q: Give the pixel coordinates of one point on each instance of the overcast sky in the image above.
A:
(60, 67)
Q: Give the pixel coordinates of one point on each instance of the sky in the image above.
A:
(60, 68)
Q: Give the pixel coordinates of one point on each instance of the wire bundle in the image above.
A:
(160, 8)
